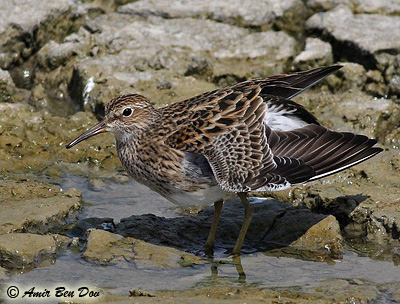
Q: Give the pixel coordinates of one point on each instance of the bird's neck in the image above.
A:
(133, 136)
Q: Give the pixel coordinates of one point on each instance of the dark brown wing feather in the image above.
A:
(202, 112)
(283, 86)
(326, 151)
(289, 86)
(227, 126)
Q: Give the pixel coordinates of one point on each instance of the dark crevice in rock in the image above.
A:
(76, 87)
(23, 75)
(346, 50)
(395, 232)
(276, 218)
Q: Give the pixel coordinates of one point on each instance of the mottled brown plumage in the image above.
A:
(246, 137)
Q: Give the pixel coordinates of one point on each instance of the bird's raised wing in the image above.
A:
(230, 131)
(228, 126)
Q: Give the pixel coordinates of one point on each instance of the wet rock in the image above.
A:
(316, 53)
(33, 142)
(3, 274)
(21, 250)
(375, 89)
(287, 15)
(329, 291)
(395, 293)
(355, 291)
(25, 27)
(7, 87)
(326, 5)
(35, 207)
(381, 219)
(375, 76)
(105, 248)
(164, 85)
(323, 236)
(80, 228)
(370, 34)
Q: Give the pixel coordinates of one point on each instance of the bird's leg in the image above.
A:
(248, 213)
(239, 268)
(211, 235)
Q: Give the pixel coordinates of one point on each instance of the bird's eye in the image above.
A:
(127, 112)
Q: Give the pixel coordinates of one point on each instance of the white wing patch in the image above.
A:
(281, 119)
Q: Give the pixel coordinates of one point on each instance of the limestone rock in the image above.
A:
(323, 236)
(105, 248)
(353, 76)
(382, 7)
(370, 34)
(21, 250)
(155, 50)
(250, 13)
(28, 206)
(27, 26)
(316, 53)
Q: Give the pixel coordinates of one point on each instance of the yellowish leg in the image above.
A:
(239, 268)
(248, 213)
(211, 235)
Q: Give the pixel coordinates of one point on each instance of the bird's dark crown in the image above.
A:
(133, 100)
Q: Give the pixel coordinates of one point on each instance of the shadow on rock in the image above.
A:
(274, 225)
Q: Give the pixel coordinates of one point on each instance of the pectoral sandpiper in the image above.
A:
(246, 137)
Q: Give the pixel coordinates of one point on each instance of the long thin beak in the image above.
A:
(96, 129)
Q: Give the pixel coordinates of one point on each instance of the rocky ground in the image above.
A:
(60, 63)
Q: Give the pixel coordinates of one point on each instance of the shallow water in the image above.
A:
(119, 200)
(261, 271)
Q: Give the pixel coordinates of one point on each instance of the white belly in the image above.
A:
(204, 197)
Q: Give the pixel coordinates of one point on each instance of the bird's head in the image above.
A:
(125, 116)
